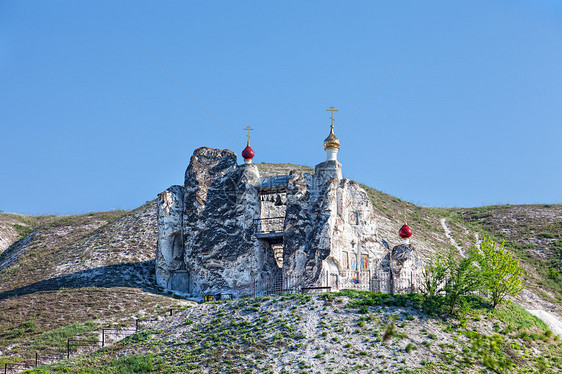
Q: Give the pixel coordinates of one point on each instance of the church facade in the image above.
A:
(229, 231)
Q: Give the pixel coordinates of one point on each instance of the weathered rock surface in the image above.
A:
(317, 230)
(403, 267)
(330, 230)
(170, 248)
(220, 251)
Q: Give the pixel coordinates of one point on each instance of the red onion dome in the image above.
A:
(248, 153)
(405, 232)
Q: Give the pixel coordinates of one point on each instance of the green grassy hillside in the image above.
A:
(345, 332)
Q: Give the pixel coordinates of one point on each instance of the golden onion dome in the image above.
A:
(331, 141)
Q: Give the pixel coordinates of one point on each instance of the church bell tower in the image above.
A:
(331, 143)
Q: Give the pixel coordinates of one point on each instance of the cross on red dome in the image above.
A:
(248, 153)
(405, 231)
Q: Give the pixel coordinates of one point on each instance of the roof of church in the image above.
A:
(331, 141)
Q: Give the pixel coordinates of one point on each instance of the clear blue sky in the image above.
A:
(89, 122)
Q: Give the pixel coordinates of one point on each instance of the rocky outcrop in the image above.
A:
(206, 171)
(402, 267)
(303, 221)
(170, 248)
(330, 229)
(219, 250)
(222, 253)
(235, 229)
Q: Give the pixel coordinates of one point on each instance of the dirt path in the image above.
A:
(542, 309)
(449, 235)
(550, 319)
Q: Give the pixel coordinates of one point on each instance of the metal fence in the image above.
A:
(75, 346)
(276, 285)
(378, 281)
(355, 280)
(374, 281)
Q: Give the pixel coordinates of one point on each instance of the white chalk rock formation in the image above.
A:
(403, 269)
(330, 236)
(227, 230)
(219, 250)
(170, 249)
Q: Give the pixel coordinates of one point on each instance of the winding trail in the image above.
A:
(449, 235)
(542, 309)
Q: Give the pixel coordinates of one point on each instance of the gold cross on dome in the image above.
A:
(331, 110)
(248, 128)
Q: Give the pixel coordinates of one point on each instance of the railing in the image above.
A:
(73, 347)
(353, 279)
(269, 225)
(282, 285)
(377, 281)
(405, 283)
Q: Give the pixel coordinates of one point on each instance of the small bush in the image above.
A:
(410, 347)
(23, 231)
(388, 333)
(553, 273)
(133, 364)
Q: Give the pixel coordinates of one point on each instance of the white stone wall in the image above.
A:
(355, 244)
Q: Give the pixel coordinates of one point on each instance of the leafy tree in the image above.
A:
(501, 273)
(464, 277)
(449, 274)
(434, 276)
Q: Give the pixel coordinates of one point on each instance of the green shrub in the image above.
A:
(553, 273)
(389, 332)
(410, 347)
(23, 231)
(434, 275)
(500, 271)
(464, 277)
(133, 364)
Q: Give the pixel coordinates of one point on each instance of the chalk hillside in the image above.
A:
(69, 277)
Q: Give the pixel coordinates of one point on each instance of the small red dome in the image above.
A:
(248, 153)
(405, 232)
